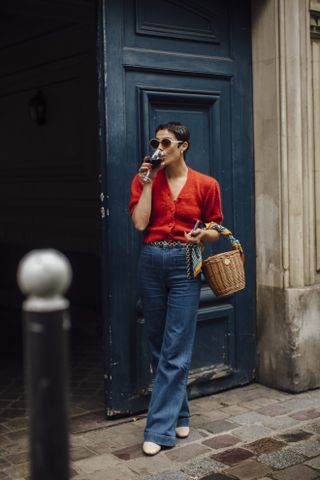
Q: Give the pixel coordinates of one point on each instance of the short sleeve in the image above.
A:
(212, 210)
(136, 189)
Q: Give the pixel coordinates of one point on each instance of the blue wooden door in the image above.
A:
(188, 61)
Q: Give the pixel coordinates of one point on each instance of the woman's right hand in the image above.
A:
(147, 167)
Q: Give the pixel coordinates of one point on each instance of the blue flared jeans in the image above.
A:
(170, 304)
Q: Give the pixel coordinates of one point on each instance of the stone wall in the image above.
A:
(288, 290)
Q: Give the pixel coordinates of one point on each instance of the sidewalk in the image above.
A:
(246, 433)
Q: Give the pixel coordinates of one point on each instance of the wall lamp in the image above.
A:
(38, 108)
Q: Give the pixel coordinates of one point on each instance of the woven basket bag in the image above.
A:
(224, 272)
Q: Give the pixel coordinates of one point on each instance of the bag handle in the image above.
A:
(235, 244)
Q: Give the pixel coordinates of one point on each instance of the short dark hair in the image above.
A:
(178, 129)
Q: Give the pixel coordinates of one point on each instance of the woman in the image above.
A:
(167, 203)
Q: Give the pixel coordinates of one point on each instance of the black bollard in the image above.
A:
(45, 275)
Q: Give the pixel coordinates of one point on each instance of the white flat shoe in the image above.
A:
(150, 448)
(182, 432)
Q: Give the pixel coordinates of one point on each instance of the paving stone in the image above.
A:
(113, 438)
(167, 475)
(312, 427)
(18, 436)
(314, 463)
(3, 463)
(273, 410)
(78, 453)
(3, 429)
(20, 471)
(232, 456)
(233, 410)
(4, 476)
(87, 421)
(99, 463)
(221, 441)
(206, 403)
(193, 437)
(201, 467)
(112, 472)
(305, 414)
(296, 472)
(315, 400)
(250, 433)
(294, 436)
(250, 418)
(281, 459)
(279, 423)
(199, 421)
(215, 415)
(218, 476)
(98, 448)
(18, 458)
(219, 426)
(17, 424)
(298, 403)
(127, 453)
(265, 445)
(246, 395)
(249, 470)
(14, 448)
(310, 448)
(183, 454)
(150, 465)
(258, 403)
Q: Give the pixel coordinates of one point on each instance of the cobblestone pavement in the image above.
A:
(245, 433)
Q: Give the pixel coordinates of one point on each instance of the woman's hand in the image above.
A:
(195, 236)
(147, 167)
(200, 235)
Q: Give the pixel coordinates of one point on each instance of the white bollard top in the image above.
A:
(44, 276)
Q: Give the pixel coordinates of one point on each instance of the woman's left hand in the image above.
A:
(195, 236)
(201, 235)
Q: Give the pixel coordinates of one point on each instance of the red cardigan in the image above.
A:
(199, 199)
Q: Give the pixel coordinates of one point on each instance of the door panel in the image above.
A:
(186, 61)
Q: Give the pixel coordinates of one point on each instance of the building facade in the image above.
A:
(245, 77)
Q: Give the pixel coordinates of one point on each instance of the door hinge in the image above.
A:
(104, 211)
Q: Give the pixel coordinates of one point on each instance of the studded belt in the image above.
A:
(168, 244)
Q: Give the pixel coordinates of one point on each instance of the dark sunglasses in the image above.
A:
(165, 142)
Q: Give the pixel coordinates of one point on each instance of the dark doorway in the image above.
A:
(49, 169)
